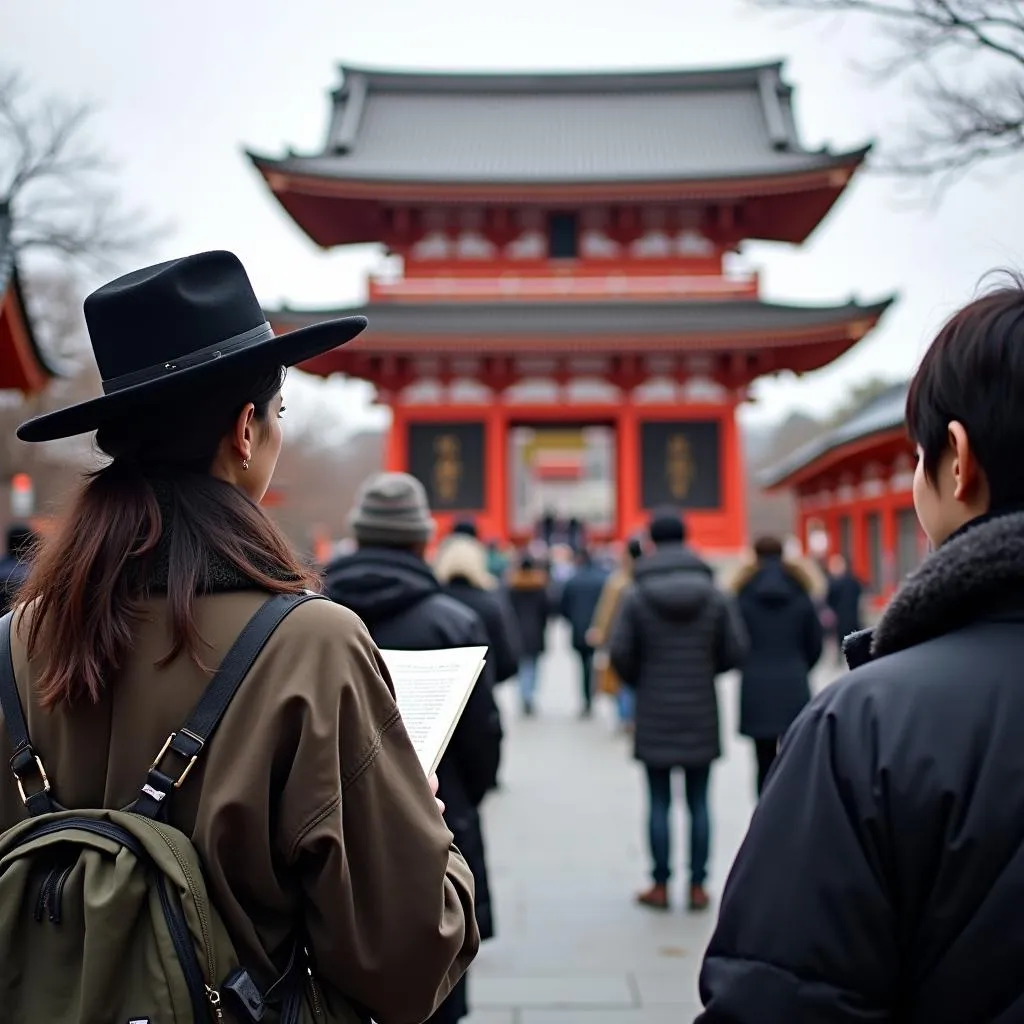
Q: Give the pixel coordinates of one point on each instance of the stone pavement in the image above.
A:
(567, 852)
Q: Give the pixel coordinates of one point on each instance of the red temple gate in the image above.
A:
(563, 243)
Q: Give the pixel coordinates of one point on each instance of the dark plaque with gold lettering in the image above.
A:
(680, 464)
(448, 459)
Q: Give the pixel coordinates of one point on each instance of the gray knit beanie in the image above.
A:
(392, 510)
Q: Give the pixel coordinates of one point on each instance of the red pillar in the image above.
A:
(734, 492)
(496, 470)
(889, 530)
(396, 454)
(628, 513)
(861, 561)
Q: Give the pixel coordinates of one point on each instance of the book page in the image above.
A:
(432, 688)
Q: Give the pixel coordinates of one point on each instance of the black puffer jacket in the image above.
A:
(396, 594)
(882, 878)
(785, 644)
(674, 633)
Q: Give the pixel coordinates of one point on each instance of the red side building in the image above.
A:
(854, 493)
(23, 366)
(558, 305)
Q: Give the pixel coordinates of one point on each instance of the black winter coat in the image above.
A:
(674, 633)
(499, 620)
(882, 879)
(395, 593)
(844, 594)
(785, 644)
(530, 595)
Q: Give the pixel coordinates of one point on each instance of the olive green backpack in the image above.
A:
(104, 915)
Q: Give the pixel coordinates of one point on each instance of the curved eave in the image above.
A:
(335, 209)
(798, 348)
(788, 477)
(23, 364)
(411, 79)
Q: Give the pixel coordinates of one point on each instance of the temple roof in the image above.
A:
(23, 364)
(566, 128)
(883, 414)
(475, 321)
(769, 338)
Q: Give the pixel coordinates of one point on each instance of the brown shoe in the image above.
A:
(656, 897)
(699, 899)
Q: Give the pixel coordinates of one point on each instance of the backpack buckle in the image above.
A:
(188, 746)
(42, 775)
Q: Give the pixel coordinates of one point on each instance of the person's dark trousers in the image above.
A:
(586, 656)
(766, 751)
(659, 781)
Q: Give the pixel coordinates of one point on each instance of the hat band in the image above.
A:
(249, 339)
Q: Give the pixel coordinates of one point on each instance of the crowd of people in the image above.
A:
(880, 875)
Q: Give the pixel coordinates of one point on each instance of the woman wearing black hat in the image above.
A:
(308, 807)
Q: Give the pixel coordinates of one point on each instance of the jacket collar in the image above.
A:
(379, 583)
(978, 573)
(669, 558)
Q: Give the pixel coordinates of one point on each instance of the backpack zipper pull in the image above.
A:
(214, 996)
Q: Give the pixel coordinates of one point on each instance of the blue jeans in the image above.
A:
(659, 782)
(626, 700)
(527, 680)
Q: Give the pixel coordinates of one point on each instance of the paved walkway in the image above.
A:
(567, 852)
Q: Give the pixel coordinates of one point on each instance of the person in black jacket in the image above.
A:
(882, 876)
(389, 585)
(674, 633)
(461, 568)
(843, 599)
(529, 591)
(14, 565)
(785, 644)
(578, 602)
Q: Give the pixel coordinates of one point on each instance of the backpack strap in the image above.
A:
(189, 741)
(25, 762)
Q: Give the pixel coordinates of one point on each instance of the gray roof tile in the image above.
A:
(549, 129)
(591, 319)
(883, 413)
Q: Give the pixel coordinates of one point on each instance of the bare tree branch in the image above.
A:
(966, 59)
(57, 185)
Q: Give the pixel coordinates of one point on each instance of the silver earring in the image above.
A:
(245, 463)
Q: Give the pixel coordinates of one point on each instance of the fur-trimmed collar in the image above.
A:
(978, 573)
(795, 570)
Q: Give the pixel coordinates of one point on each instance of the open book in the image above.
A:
(432, 688)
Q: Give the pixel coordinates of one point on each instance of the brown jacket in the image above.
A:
(308, 806)
(601, 625)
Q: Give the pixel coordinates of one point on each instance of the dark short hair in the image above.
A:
(634, 547)
(973, 372)
(667, 527)
(465, 527)
(768, 547)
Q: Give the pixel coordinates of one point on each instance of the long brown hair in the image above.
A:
(154, 500)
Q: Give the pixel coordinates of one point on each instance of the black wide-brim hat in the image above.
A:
(163, 331)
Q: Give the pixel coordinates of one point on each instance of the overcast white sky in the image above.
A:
(183, 88)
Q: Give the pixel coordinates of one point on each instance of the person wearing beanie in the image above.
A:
(675, 632)
(387, 582)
